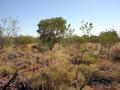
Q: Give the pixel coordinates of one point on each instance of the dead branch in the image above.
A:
(10, 81)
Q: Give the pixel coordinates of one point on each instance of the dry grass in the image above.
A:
(59, 72)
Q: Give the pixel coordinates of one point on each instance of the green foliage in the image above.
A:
(10, 41)
(73, 39)
(51, 30)
(85, 70)
(89, 58)
(108, 38)
(7, 70)
(24, 40)
(93, 39)
(85, 38)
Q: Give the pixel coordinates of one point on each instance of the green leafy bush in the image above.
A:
(108, 38)
(24, 40)
(89, 58)
(93, 39)
(7, 70)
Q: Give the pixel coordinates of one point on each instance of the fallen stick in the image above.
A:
(8, 83)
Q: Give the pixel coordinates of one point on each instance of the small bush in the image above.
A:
(7, 70)
(25, 40)
(90, 59)
(114, 53)
(87, 58)
(84, 69)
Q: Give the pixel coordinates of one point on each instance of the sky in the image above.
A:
(104, 14)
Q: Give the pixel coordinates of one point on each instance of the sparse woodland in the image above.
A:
(58, 59)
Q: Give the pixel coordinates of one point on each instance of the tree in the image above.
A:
(8, 27)
(108, 38)
(51, 30)
(86, 27)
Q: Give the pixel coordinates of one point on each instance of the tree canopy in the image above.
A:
(51, 30)
(108, 38)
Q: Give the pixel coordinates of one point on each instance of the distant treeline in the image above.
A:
(21, 40)
(108, 37)
(103, 37)
(51, 31)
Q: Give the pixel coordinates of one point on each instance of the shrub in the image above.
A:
(84, 69)
(9, 41)
(108, 38)
(24, 40)
(114, 53)
(7, 70)
(86, 58)
(89, 58)
(93, 39)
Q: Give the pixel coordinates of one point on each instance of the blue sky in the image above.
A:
(104, 14)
